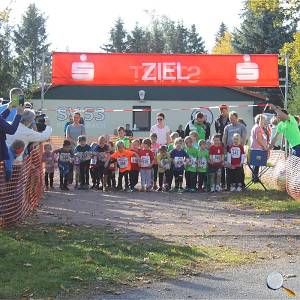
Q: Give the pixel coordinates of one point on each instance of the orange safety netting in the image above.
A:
(23, 192)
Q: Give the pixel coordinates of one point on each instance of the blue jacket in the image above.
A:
(6, 128)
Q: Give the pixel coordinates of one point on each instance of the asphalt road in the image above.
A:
(247, 282)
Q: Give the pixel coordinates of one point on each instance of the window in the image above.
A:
(141, 120)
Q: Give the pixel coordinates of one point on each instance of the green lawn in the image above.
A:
(50, 260)
(266, 201)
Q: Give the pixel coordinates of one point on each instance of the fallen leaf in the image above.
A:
(88, 259)
(27, 265)
(76, 278)
(290, 275)
(59, 249)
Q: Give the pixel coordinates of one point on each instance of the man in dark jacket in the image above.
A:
(223, 120)
(200, 125)
(7, 128)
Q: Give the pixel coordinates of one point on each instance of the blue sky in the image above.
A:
(84, 25)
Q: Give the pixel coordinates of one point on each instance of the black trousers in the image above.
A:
(47, 177)
(64, 179)
(120, 179)
(84, 175)
(178, 175)
(111, 179)
(202, 179)
(236, 175)
(191, 179)
(95, 176)
(133, 178)
(155, 171)
(168, 178)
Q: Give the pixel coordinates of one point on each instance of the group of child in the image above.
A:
(200, 162)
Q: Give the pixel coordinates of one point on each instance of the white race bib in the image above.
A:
(145, 161)
(122, 162)
(193, 162)
(235, 152)
(135, 160)
(216, 158)
(178, 162)
(65, 157)
(202, 163)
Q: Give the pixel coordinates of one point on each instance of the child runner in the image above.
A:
(135, 168)
(146, 161)
(103, 155)
(173, 136)
(83, 151)
(216, 162)
(178, 156)
(235, 160)
(48, 158)
(94, 172)
(111, 174)
(121, 137)
(191, 165)
(123, 157)
(154, 148)
(203, 157)
(195, 137)
(164, 168)
(65, 161)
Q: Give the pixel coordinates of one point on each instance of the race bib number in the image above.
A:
(94, 161)
(145, 161)
(193, 162)
(134, 160)
(165, 163)
(235, 152)
(216, 158)
(122, 162)
(65, 157)
(202, 163)
(86, 155)
(178, 162)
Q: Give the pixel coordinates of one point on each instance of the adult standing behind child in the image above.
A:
(75, 130)
(161, 129)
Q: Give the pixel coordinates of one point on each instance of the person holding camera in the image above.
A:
(8, 129)
(25, 133)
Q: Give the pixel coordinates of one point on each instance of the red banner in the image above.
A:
(260, 70)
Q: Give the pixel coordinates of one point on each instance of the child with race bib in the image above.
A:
(94, 167)
(164, 162)
(83, 151)
(195, 138)
(146, 162)
(216, 162)
(178, 156)
(191, 165)
(135, 167)
(123, 157)
(173, 136)
(203, 158)
(235, 161)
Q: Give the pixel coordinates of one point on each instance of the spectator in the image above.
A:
(200, 125)
(128, 131)
(223, 120)
(75, 130)
(273, 130)
(162, 130)
(25, 133)
(258, 139)
(7, 128)
(288, 126)
(71, 121)
(180, 131)
(232, 128)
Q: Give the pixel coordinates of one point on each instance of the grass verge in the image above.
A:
(266, 201)
(50, 260)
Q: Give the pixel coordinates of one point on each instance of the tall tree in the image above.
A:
(195, 43)
(221, 32)
(264, 29)
(118, 38)
(138, 40)
(224, 45)
(157, 38)
(30, 40)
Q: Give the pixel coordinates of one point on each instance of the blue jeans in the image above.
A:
(296, 150)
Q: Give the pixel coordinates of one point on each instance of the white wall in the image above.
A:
(99, 122)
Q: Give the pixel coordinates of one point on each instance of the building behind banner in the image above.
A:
(175, 102)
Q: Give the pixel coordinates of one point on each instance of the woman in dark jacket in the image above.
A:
(7, 128)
